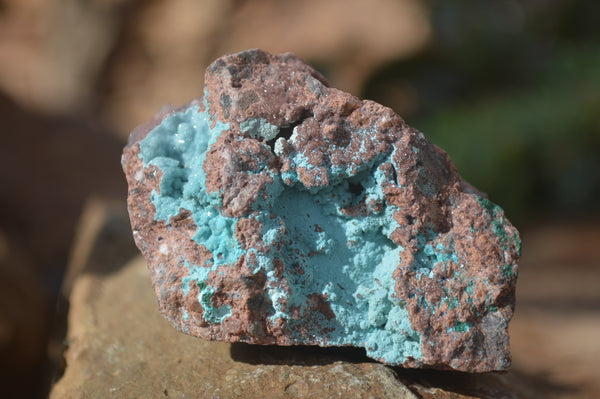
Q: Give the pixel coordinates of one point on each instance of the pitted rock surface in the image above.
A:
(278, 210)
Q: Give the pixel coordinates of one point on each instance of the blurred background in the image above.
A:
(509, 88)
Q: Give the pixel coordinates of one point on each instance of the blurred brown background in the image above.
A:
(510, 88)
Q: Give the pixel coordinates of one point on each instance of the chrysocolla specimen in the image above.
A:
(277, 210)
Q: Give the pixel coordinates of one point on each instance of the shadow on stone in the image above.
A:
(511, 384)
(426, 383)
(304, 355)
(103, 244)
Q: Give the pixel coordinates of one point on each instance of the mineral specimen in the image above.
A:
(278, 210)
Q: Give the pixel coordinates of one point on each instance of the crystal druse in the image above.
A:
(277, 210)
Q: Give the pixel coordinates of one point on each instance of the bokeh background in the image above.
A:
(509, 88)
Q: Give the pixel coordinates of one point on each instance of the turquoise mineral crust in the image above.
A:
(276, 210)
(359, 290)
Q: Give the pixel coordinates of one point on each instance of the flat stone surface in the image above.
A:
(277, 210)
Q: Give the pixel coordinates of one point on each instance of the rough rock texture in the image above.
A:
(277, 210)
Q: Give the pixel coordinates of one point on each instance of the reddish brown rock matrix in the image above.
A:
(277, 210)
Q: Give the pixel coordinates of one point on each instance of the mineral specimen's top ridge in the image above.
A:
(277, 210)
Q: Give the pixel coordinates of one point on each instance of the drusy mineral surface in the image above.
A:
(278, 210)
